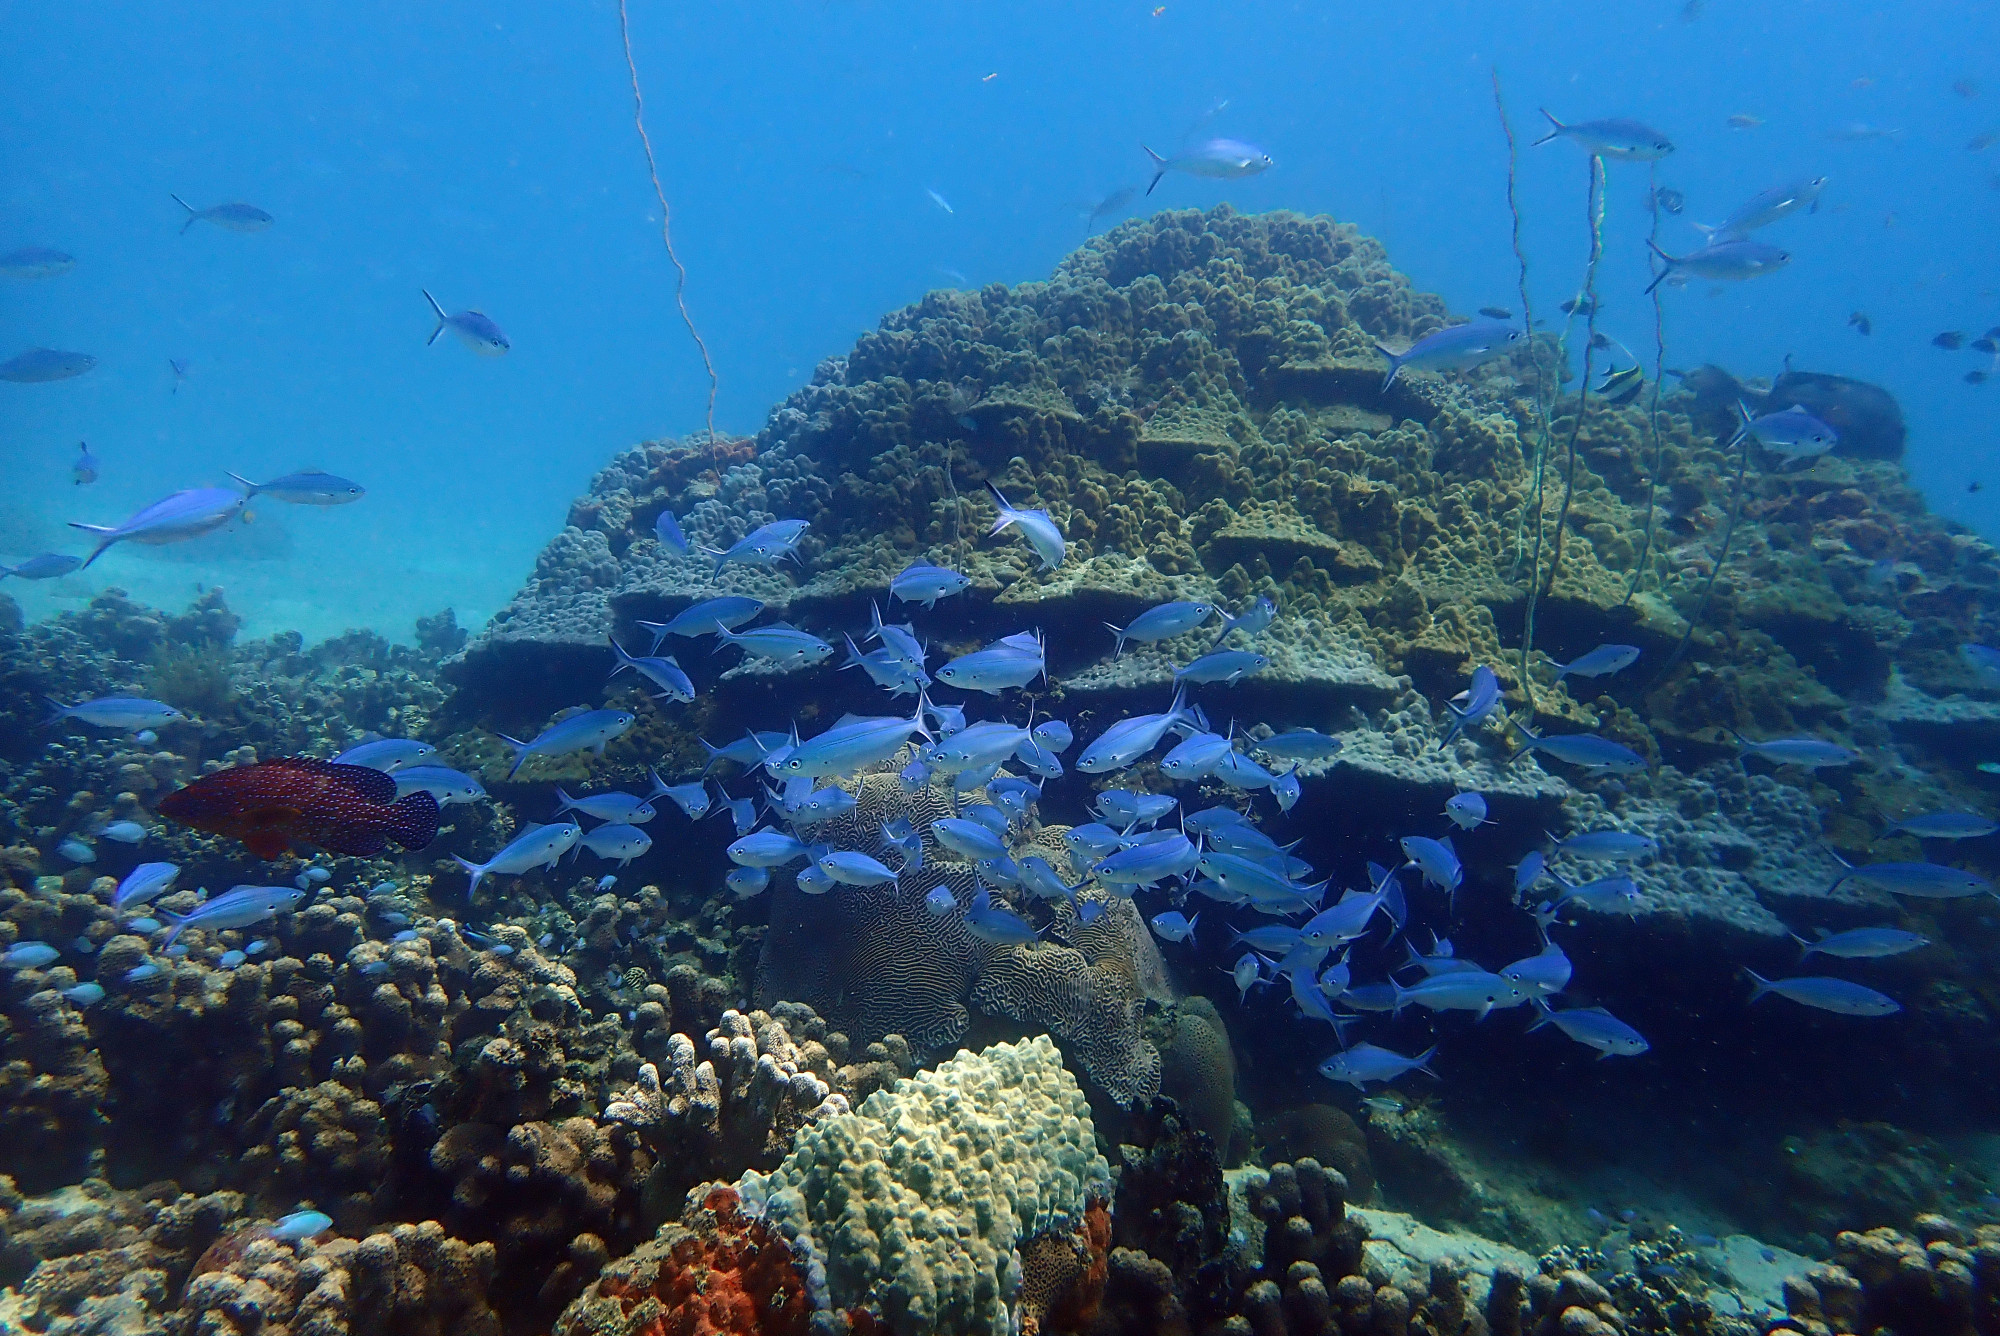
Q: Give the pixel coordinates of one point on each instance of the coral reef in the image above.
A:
(1943, 1282)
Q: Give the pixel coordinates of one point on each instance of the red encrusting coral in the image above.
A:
(1063, 1275)
(723, 1273)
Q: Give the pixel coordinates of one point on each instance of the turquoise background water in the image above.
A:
(487, 152)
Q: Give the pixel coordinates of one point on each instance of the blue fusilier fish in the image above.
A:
(1728, 260)
(143, 884)
(742, 811)
(1252, 621)
(33, 262)
(1544, 974)
(812, 880)
(1163, 622)
(1270, 938)
(1768, 206)
(1301, 744)
(387, 754)
(1148, 864)
(43, 566)
(1477, 991)
(236, 908)
(969, 839)
(766, 848)
(1130, 739)
(1863, 943)
(747, 751)
(1216, 159)
(1036, 527)
(899, 834)
(1826, 994)
(617, 842)
(1945, 826)
(973, 748)
(1344, 921)
(1173, 926)
(940, 901)
(307, 488)
(781, 644)
(668, 530)
(705, 618)
(1466, 810)
(236, 216)
(1581, 749)
(537, 846)
(948, 719)
(172, 519)
(1365, 1063)
(1806, 753)
(1247, 972)
(1436, 859)
(766, 545)
(1039, 760)
(850, 867)
(616, 807)
(1053, 734)
(822, 805)
(127, 714)
(1600, 662)
(744, 882)
(1092, 840)
(1606, 895)
(84, 470)
(1285, 788)
(1228, 666)
(1041, 879)
(1240, 772)
(84, 994)
(1605, 846)
(585, 729)
(299, 1225)
(996, 924)
(1454, 348)
(1120, 807)
(886, 669)
(663, 672)
(1479, 699)
(1983, 660)
(1594, 1027)
(1528, 872)
(921, 582)
(1013, 661)
(899, 638)
(471, 328)
(1614, 137)
(852, 745)
(1793, 432)
(38, 366)
(1195, 756)
(1923, 881)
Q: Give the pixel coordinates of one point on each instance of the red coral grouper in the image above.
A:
(345, 809)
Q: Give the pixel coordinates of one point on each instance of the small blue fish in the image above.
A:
(969, 839)
(1229, 666)
(84, 994)
(76, 851)
(1581, 749)
(1607, 895)
(36, 262)
(692, 797)
(1529, 871)
(1544, 974)
(229, 960)
(1612, 137)
(1252, 621)
(142, 973)
(237, 908)
(307, 488)
(616, 807)
(537, 846)
(1479, 701)
(1806, 753)
(766, 545)
(1091, 840)
(84, 470)
(1606, 846)
(1595, 1027)
(920, 582)
(705, 618)
(1299, 744)
(886, 669)
(765, 848)
(1945, 826)
(29, 956)
(41, 365)
(748, 751)
(1768, 206)
(1924, 881)
(617, 841)
(1728, 260)
(316, 875)
(300, 1225)
(745, 882)
(1364, 1063)
(1600, 662)
(1013, 662)
(125, 832)
(914, 777)
(471, 328)
(142, 884)
(1863, 943)
(949, 719)
(586, 729)
(1792, 432)
(1195, 756)
(940, 901)
(822, 805)
(1285, 788)
(45, 566)
(1089, 911)
(901, 836)
(235, 216)
(1130, 739)
(1466, 810)
(1163, 622)
(664, 673)
(781, 644)
(852, 745)
(1436, 859)
(668, 530)
(996, 924)
(127, 714)
(1039, 760)
(172, 519)
(1454, 348)
(1216, 159)
(1041, 532)
(1826, 994)
(443, 783)
(1053, 734)
(387, 755)
(1173, 926)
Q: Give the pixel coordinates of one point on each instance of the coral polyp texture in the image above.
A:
(913, 1207)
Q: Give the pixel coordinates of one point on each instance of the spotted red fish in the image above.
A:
(345, 809)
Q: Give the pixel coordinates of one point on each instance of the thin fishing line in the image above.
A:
(666, 218)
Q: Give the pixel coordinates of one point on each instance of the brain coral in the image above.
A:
(915, 1204)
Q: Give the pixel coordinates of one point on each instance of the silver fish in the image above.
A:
(668, 530)
(664, 673)
(33, 262)
(997, 667)
(1614, 137)
(996, 924)
(1581, 749)
(1111, 204)
(537, 846)
(587, 728)
(1946, 826)
(1606, 846)
(127, 714)
(308, 488)
(1299, 744)
(41, 365)
(1792, 432)
(1768, 206)
(921, 582)
(766, 848)
(446, 785)
(617, 841)
(1924, 881)
(44, 566)
(622, 808)
(237, 217)
(706, 618)
(852, 745)
(1217, 159)
(84, 470)
(1807, 753)
(1826, 994)
(782, 644)
(1252, 621)
(171, 519)
(1463, 990)
(1479, 701)
(1731, 259)
(1041, 532)
(236, 908)
(1863, 943)
(1455, 348)
(1596, 1028)
(1129, 739)
(1600, 662)
(766, 545)
(387, 754)
(1228, 666)
(1364, 1063)
(471, 328)
(144, 883)
(886, 669)
(1163, 622)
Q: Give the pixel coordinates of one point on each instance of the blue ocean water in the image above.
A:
(487, 153)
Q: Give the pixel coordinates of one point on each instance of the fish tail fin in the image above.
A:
(520, 753)
(854, 659)
(1006, 511)
(192, 212)
(1759, 984)
(1670, 262)
(477, 872)
(1117, 647)
(109, 534)
(1810, 947)
(1159, 168)
(1395, 367)
(440, 315)
(1547, 1014)
(923, 711)
(413, 819)
(180, 922)
(1556, 129)
(250, 489)
(1424, 1062)
(58, 712)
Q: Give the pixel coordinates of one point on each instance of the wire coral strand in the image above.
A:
(1728, 536)
(666, 217)
(1653, 406)
(1595, 209)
